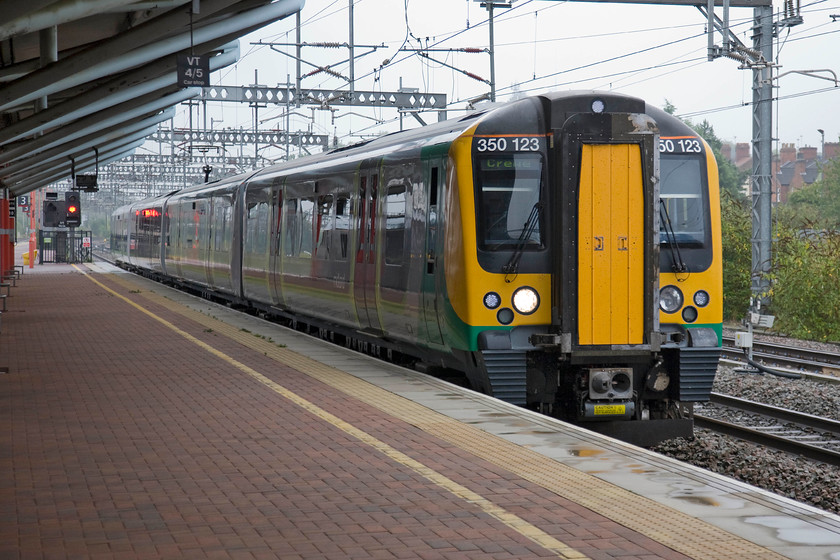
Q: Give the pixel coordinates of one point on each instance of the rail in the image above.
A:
(793, 432)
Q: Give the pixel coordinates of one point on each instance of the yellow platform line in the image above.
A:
(512, 520)
(688, 535)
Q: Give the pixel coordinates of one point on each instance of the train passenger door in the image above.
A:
(435, 169)
(365, 272)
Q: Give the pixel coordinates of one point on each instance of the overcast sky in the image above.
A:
(657, 53)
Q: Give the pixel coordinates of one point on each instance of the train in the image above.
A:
(562, 251)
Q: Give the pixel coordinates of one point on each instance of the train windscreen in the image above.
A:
(684, 213)
(508, 201)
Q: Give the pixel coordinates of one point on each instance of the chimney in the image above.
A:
(726, 150)
(742, 151)
(787, 153)
(808, 153)
(831, 150)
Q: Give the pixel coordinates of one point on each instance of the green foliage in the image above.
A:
(730, 179)
(806, 274)
(736, 231)
(736, 226)
(806, 262)
(816, 206)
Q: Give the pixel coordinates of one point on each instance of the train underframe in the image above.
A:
(640, 395)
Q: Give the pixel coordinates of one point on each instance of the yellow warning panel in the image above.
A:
(611, 245)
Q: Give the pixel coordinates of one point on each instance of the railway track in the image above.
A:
(793, 432)
(804, 361)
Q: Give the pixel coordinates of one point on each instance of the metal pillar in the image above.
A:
(48, 39)
(352, 54)
(762, 152)
(6, 234)
(492, 54)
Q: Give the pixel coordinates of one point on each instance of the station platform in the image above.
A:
(140, 422)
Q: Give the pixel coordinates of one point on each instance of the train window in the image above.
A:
(306, 216)
(324, 226)
(508, 196)
(222, 213)
(395, 224)
(681, 193)
(290, 219)
(342, 223)
(257, 225)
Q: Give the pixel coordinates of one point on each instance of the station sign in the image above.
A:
(193, 70)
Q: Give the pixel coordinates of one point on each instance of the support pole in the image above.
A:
(762, 151)
(297, 59)
(352, 54)
(492, 54)
(6, 249)
(48, 43)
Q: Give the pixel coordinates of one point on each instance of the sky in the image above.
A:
(658, 53)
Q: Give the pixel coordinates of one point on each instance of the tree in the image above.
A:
(736, 233)
(816, 206)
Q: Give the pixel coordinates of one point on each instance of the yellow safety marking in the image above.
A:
(679, 531)
(511, 520)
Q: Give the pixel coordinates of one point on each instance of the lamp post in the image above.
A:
(822, 144)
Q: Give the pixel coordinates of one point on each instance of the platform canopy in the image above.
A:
(83, 82)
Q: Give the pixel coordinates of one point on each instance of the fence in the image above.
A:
(64, 247)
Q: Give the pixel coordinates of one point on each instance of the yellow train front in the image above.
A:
(583, 262)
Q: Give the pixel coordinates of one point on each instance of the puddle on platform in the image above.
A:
(704, 496)
(793, 530)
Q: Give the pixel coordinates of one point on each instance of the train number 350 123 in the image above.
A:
(680, 145)
(503, 144)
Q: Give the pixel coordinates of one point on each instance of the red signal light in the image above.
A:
(72, 209)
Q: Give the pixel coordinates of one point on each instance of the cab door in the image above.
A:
(606, 257)
(611, 245)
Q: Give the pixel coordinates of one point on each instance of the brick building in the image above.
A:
(792, 168)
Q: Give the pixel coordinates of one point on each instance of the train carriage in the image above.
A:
(563, 251)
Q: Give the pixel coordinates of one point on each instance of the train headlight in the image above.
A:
(492, 300)
(689, 314)
(701, 298)
(670, 299)
(526, 300)
(505, 315)
(598, 106)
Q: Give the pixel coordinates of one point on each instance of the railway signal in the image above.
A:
(73, 208)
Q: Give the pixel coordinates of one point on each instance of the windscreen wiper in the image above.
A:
(527, 229)
(679, 265)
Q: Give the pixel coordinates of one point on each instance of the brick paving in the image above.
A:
(122, 439)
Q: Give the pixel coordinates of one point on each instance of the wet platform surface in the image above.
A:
(139, 422)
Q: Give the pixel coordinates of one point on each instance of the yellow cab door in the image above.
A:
(611, 245)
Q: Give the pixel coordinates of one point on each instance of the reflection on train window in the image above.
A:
(682, 201)
(394, 224)
(324, 226)
(290, 208)
(342, 223)
(222, 215)
(508, 191)
(257, 226)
